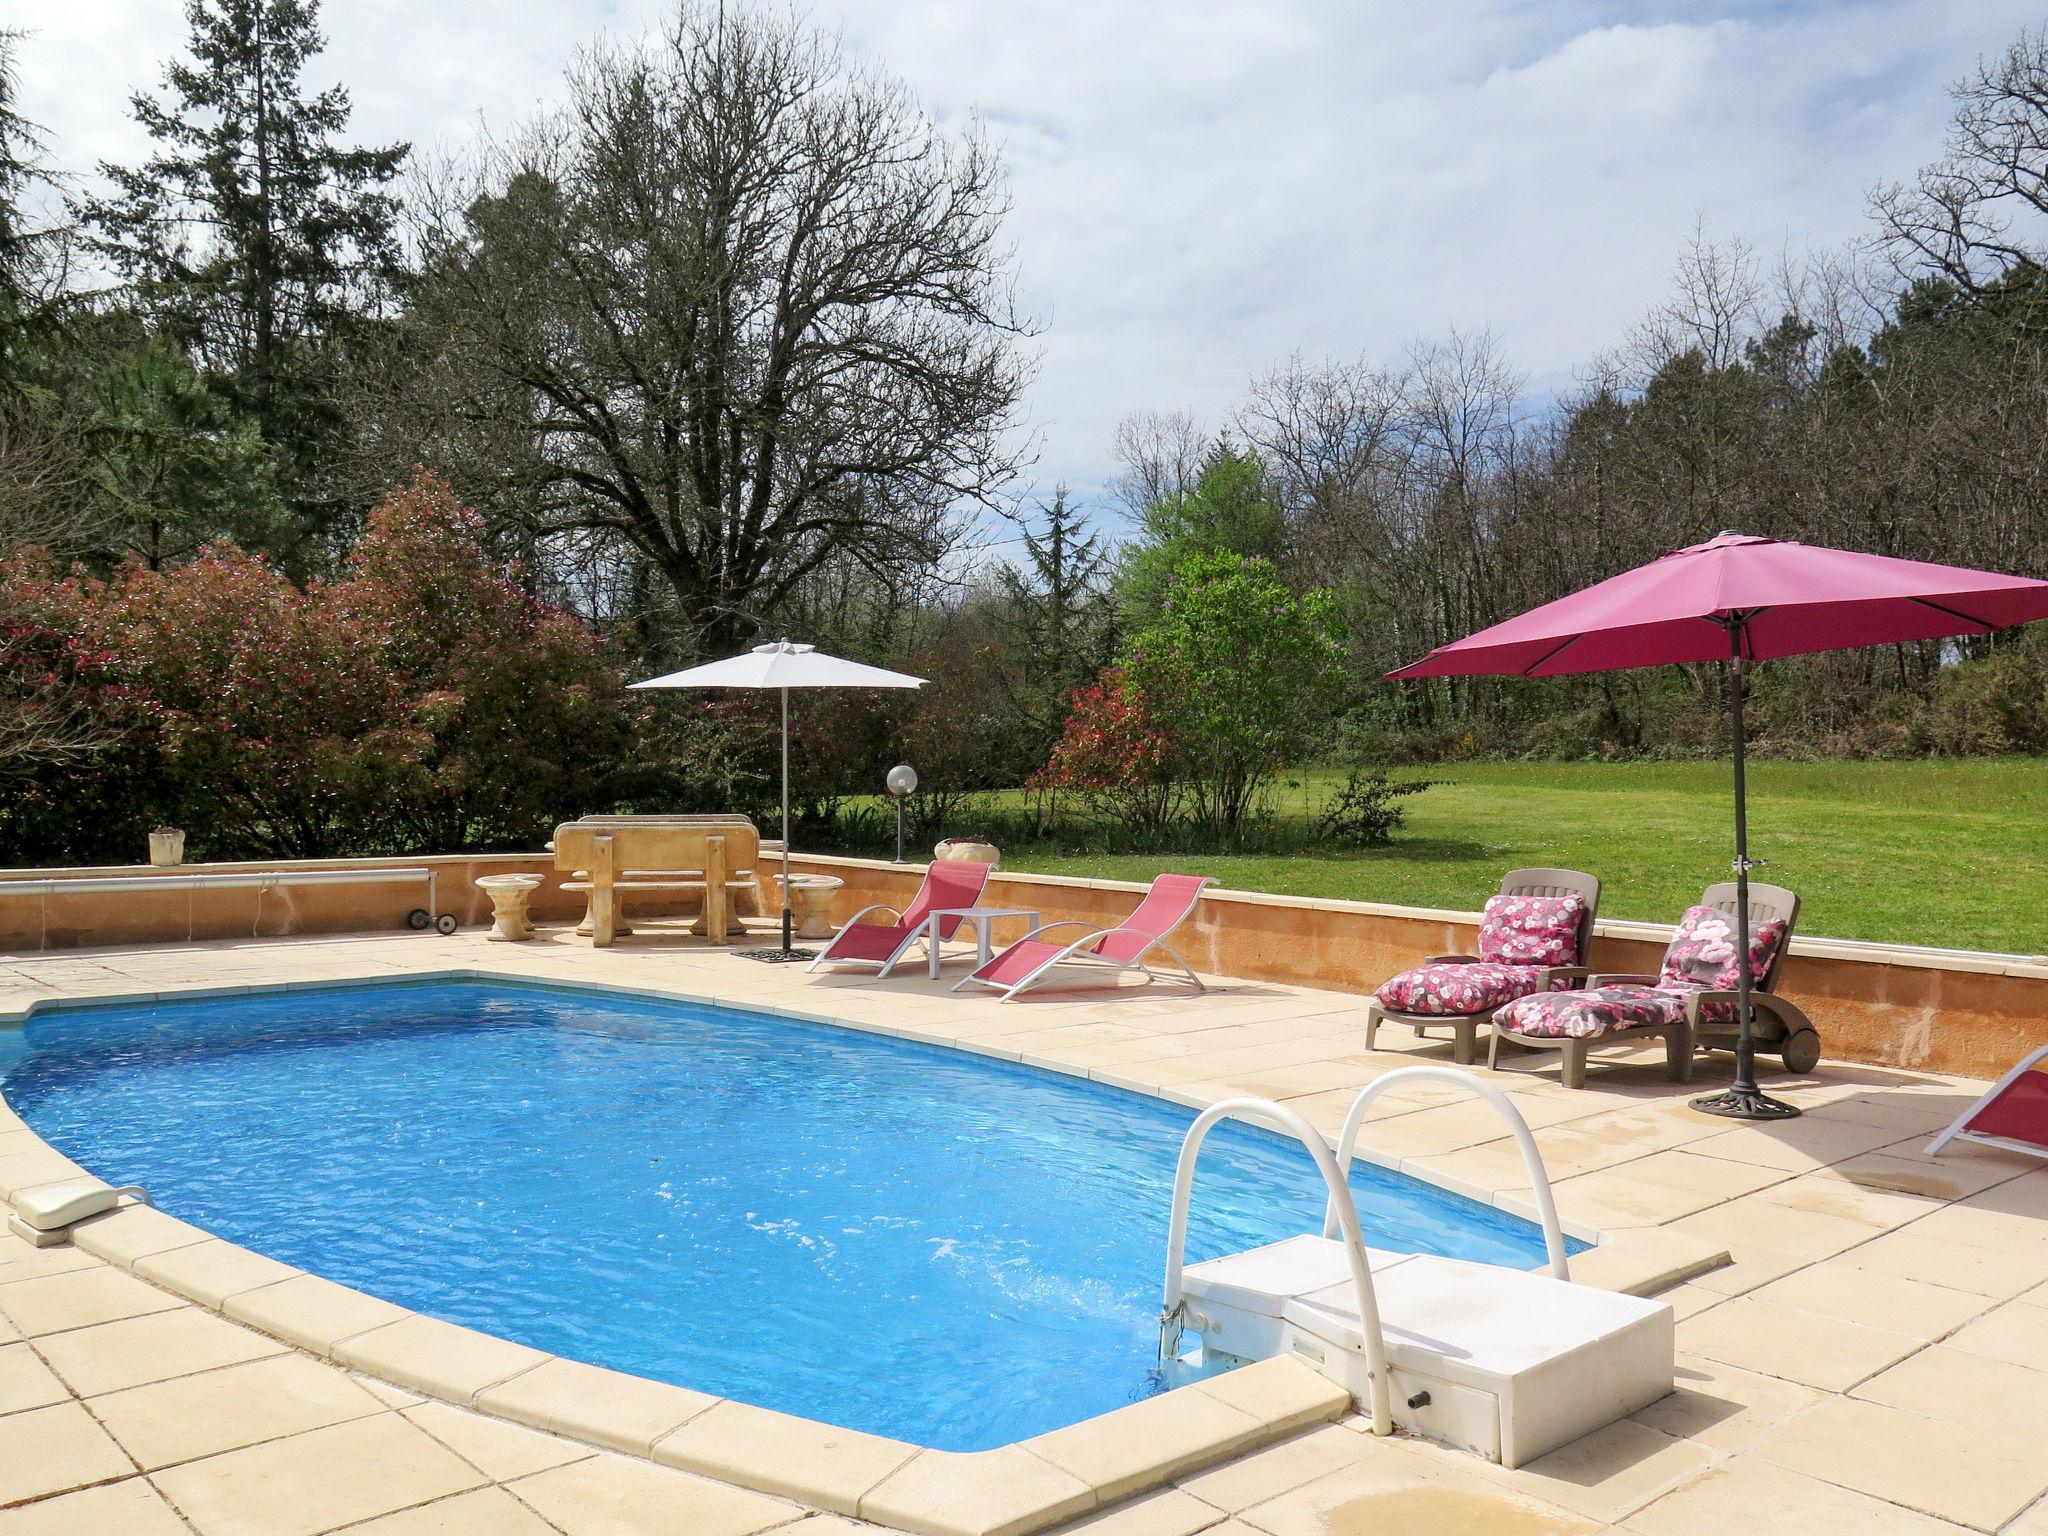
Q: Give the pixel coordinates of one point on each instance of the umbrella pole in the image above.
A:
(787, 935)
(1743, 1100)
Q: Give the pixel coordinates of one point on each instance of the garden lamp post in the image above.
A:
(902, 783)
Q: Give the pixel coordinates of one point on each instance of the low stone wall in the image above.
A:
(1935, 1010)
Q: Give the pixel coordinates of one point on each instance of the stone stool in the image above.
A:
(509, 895)
(810, 900)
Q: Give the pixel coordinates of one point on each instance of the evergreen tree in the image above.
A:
(1059, 612)
(25, 249)
(254, 238)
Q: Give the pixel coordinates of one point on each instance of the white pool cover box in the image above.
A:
(1504, 1362)
(1498, 1361)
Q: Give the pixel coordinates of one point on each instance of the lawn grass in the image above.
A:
(1947, 853)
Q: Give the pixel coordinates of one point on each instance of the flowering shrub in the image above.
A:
(1116, 756)
(424, 701)
(258, 695)
(513, 712)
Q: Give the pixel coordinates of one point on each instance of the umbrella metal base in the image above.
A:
(1745, 1104)
(776, 956)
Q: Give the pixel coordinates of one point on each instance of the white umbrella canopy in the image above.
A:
(783, 665)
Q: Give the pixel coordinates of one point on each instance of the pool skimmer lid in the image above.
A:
(44, 1213)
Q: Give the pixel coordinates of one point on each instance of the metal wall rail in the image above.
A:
(260, 881)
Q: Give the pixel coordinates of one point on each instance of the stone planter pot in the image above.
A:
(509, 895)
(167, 847)
(972, 849)
(810, 904)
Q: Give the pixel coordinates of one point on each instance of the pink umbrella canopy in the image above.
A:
(1780, 597)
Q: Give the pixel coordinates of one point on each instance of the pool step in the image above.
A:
(1502, 1362)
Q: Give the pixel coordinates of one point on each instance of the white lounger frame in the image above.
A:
(1956, 1129)
(1071, 956)
(826, 957)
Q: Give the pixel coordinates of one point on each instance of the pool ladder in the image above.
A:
(1506, 1362)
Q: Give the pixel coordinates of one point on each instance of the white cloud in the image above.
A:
(1204, 187)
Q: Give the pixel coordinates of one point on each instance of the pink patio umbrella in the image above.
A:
(1738, 599)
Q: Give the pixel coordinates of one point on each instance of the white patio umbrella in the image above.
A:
(783, 665)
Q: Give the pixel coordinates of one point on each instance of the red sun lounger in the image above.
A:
(2013, 1115)
(1122, 948)
(947, 883)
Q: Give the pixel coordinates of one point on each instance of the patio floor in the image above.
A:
(1874, 1358)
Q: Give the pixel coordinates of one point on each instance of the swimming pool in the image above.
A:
(898, 1238)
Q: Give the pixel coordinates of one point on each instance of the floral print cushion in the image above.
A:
(1531, 930)
(1702, 952)
(1596, 1011)
(1455, 988)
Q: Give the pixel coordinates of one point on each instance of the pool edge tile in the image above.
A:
(314, 1313)
(613, 1410)
(782, 1454)
(442, 1359)
(1006, 1492)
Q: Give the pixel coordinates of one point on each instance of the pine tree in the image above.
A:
(254, 238)
(26, 250)
(1059, 609)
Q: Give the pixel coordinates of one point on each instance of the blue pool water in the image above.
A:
(893, 1237)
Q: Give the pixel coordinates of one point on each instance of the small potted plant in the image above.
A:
(167, 846)
(978, 849)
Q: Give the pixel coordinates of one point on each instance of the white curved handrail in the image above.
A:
(1347, 1142)
(1279, 1117)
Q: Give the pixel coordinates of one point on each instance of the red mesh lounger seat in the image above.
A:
(2013, 1115)
(947, 883)
(1166, 906)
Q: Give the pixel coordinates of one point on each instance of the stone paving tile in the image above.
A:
(153, 1347)
(1912, 1257)
(214, 1411)
(499, 1450)
(78, 1299)
(1965, 1388)
(481, 1512)
(1394, 1493)
(1806, 1347)
(1272, 1470)
(211, 1272)
(1168, 1512)
(48, 1450)
(130, 1508)
(1839, 1289)
(1612, 1471)
(609, 1495)
(2016, 1331)
(26, 1382)
(1724, 1407)
(1755, 1498)
(1971, 1476)
(316, 1481)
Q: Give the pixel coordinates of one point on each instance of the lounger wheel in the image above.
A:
(417, 919)
(445, 923)
(1801, 1051)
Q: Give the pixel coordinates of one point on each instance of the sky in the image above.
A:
(1203, 188)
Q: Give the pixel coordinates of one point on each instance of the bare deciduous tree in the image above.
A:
(1976, 213)
(740, 307)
